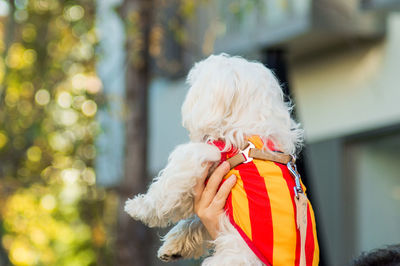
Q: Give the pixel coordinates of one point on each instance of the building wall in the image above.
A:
(166, 131)
(348, 100)
(377, 191)
(350, 89)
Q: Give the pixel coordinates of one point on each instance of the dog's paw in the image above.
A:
(170, 251)
(182, 242)
(140, 209)
(170, 257)
(134, 207)
(143, 209)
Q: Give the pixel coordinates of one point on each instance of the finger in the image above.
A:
(199, 187)
(213, 183)
(223, 193)
(205, 174)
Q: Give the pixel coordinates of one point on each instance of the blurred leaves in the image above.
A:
(48, 99)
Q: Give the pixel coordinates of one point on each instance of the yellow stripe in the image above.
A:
(316, 246)
(284, 233)
(257, 141)
(240, 205)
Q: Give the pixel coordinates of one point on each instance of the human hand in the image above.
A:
(209, 201)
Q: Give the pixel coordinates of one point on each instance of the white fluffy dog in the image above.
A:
(229, 99)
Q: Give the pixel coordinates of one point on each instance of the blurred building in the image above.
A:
(342, 59)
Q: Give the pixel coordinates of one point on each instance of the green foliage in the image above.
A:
(51, 211)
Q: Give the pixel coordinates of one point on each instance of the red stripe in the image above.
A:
(309, 239)
(290, 183)
(261, 222)
(229, 210)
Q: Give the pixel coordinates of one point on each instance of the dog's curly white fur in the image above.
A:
(170, 196)
(229, 99)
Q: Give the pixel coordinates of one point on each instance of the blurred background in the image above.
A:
(90, 96)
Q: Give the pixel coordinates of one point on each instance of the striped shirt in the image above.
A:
(261, 207)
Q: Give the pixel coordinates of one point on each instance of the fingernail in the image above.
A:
(232, 178)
